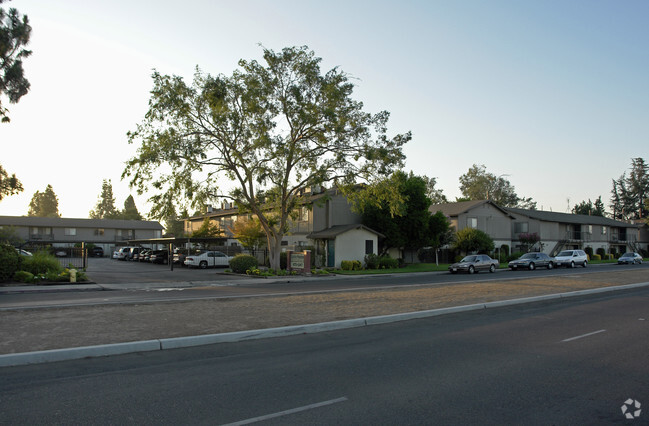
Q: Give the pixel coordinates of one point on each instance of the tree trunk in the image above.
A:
(274, 250)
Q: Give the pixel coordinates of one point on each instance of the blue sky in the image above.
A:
(554, 94)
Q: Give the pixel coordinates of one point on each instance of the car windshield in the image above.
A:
(469, 259)
(565, 253)
(528, 256)
(628, 255)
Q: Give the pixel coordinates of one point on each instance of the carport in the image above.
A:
(174, 242)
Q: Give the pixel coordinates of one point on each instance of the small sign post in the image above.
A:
(299, 261)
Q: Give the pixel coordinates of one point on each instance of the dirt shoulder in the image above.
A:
(57, 328)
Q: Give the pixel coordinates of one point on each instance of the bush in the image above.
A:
(42, 262)
(386, 262)
(589, 251)
(243, 262)
(426, 255)
(371, 261)
(596, 257)
(9, 262)
(351, 265)
(601, 252)
(24, 277)
(514, 256)
(609, 257)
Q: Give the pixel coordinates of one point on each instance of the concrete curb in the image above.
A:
(55, 355)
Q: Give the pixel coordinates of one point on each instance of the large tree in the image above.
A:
(270, 130)
(105, 208)
(478, 184)
(469, 240)
(9, 185)
(589, 208)
(130, 211)
(14, 35)
(44, 204)
(629, 192)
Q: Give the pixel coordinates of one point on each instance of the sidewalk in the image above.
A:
(48, 329)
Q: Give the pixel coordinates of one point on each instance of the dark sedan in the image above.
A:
(532, 261)
(475, 263)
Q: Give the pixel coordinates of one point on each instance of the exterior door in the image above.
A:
(331, 253)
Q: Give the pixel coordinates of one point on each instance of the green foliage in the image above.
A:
(515, 256)
(589, 251)
(476, 184)
(601, 252)
(242, 263)
(9, 185)
(105, 208)
(226, 127)
(207, 230)
(373, 261)
(9, 262)
(24, 277)
(249, 232)
(15, 32)
(629, 193)
(42, 262)
(471, 240)
(44, 204)
(351, 265)
(590, 209)
(595, 257)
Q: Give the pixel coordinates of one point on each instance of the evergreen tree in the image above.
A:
(9, 185)
(130, 210)
(14, 34)
(105, 208)
(44, 204)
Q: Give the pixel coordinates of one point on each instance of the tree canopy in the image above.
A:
(478, 184)
(629, 193)
(589, 208)
(14, 35)
(270, 130)
(469, 240)
(105, 207)
(44, 204)
(9, 185)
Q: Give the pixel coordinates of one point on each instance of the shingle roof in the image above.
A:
(570, 218)
(334, 231)
(460, 207)
(58, 222)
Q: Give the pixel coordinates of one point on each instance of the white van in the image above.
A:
(570, 258)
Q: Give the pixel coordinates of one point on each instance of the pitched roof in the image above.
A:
(58, 222)
(570, 218)
(334, 231)
(460, 207)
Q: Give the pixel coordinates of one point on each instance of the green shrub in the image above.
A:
(42, 262)
(386, 262)
(514, 256)
(9, 262)
(596, 257)
(243, 262)
(601, 252)
(371, 261)
(609, 257)
(589, 251)
(24, 277)
(350, 265)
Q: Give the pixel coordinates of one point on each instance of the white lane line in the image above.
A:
(583, 335)
(287, 412)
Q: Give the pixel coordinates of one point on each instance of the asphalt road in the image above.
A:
(142, 286)
(566, 362)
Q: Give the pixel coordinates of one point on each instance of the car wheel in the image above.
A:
(202, 265)
(550, 265)
(492, 268)
(572, 264)
(471, 269)
(532, 266)
(585, 264)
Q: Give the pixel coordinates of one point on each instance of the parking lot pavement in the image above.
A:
(106, 271)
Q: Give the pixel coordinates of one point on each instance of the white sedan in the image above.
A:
(208, 259)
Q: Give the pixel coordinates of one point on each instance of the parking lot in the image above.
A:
(111, 271)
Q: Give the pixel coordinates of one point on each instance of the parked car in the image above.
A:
(123, 253)
(23, 252)
(208, 259)
(159, 256)
(532, 261)
(571, 258)
(145, 255)
(97, 251)
(474, 263)
(116, 254)
(629, 258)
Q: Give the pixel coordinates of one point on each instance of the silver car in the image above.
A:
(474, 263)
(571, 258)
(630, 258)
(532, 261)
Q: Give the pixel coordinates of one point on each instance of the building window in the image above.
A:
(99, 231)
(590, 229)
(70, 232)
(472, 222)
(369, 246)
(521, 227)
(304, 214)
(603, 230)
